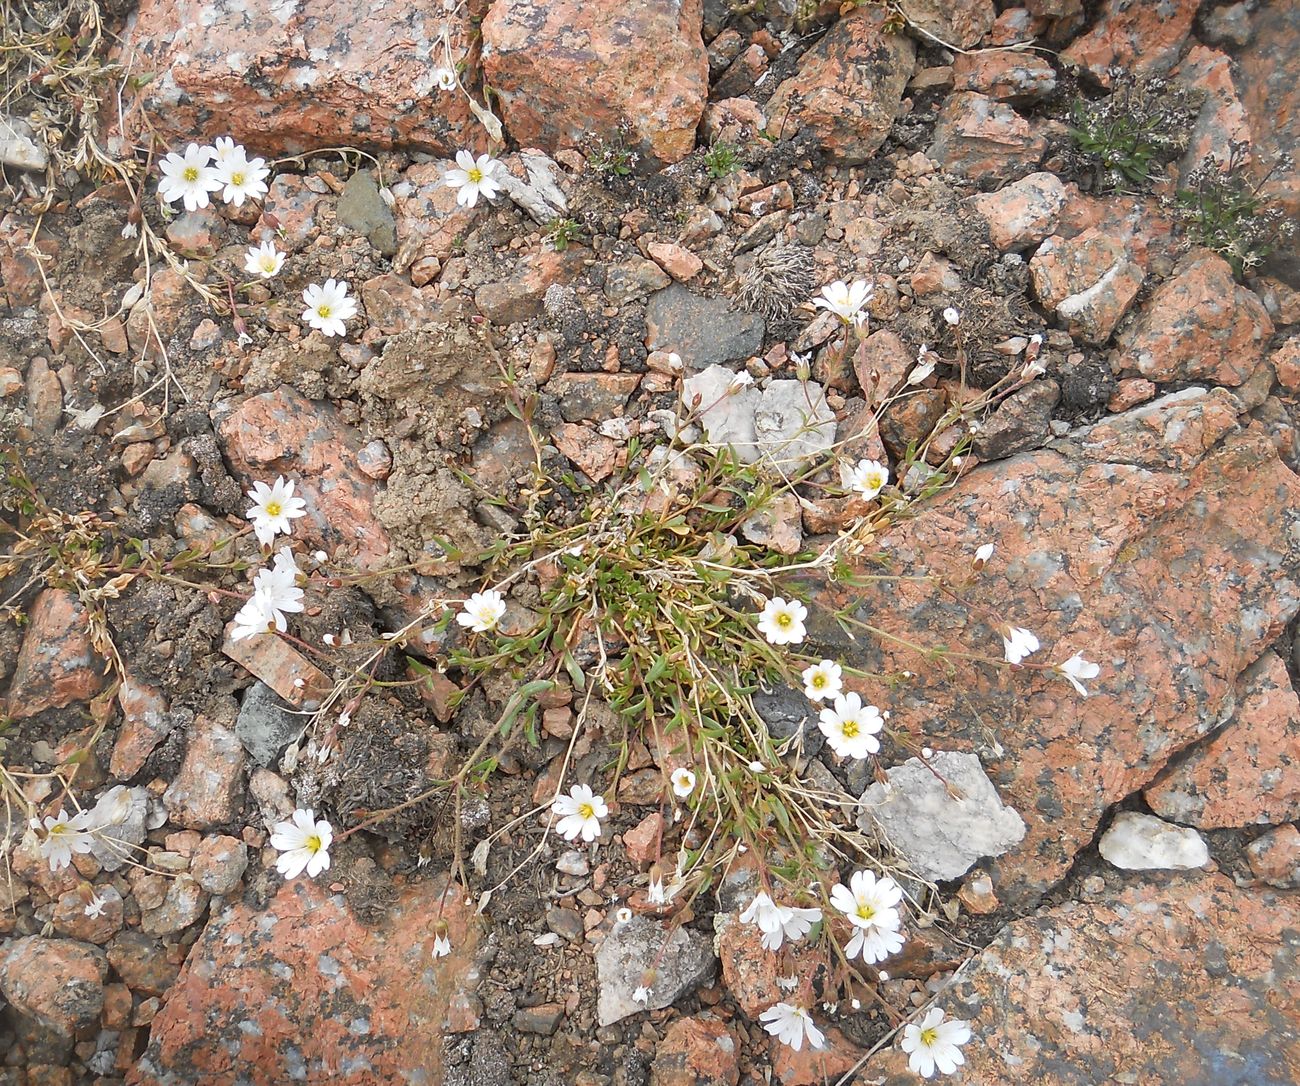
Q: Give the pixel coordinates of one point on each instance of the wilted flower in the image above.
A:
(791, 1025)
(982, 554)
(444, 78)
(822, 680)
(683, 781)
(867, 479)
(441, 945)
(641, 994)
(1018, 643)
(95, 907)
(264, 260)
(1077, 668)
(482, 611)
(64, 836)
(846, 302)
(188, 177)
(581, 811)
(304, 844)
(925, 362)
(273, 508)
(740, 380)
(475, 176)
(851, 727)
(781, 622)
(935, 1044)
(952, 316)
(328, 307)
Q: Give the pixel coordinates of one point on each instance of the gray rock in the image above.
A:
(786, 422)
(625, 955)
(538, 193)
(265, 726)
(17, 147)
(786, 712)
(704, 331)
(362, 208)
(941, 837)
(1142, 842)
(1020, 423)
(123, 817)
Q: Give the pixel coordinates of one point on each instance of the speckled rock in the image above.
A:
(1275, 857)
(1089, 281)
(1178, 981)
(625, 955)
(698, 1051)
(290, 78)
(983, 140)
(1142, 38)
(1199, 325)
(1024, 212)
(296, 988)
(1102, 547)
(1247, 773)
(58, 982)
(209, 789)
(847, 90)
(704, 331)
(1006, 77)
(956, 22)
(57, 665)
(568, 71)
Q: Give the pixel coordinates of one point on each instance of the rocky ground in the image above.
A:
(1130, 914)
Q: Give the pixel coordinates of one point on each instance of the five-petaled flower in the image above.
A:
(683, 781)
(241, 177)
(482, 611)
(1075, 669)
(867, 479)
(580, 813)
(476, 176)
(303, 843)
(781, 622)
(845, 301)
(264, 260)
(851, 727)
(871, 905)
(189, 178)
(328, 307)
(1018, 643)
(791, 1025)
(274, 507)
(822, 680)
(935, 1044)
(64, 836)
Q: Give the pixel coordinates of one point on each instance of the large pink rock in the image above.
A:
(1160, 546)
(57, 665)
(570, 71)
(298, 75)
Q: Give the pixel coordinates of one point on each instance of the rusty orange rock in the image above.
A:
(288, 79)
(58, 982)
(56, 665)
(298, 989)
(568, 72)
(698, 1051)
(1144, 39)
(984, 140)
(1210, 969)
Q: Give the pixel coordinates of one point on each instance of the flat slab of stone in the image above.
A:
(1142, 842)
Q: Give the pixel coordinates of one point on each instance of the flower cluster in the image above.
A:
(202, 170)
(275, 589)
(62, 836)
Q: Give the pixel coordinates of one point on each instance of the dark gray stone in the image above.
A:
(787, 712)
(626, 954)
(1020, 423)
(265, 725)
(362, 209)
(704, 331)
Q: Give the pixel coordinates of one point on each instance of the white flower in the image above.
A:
(790, 1025)
(304, 843)
(242, 177)
(1076, 668)
(683, 781)
(781, 622)
(952, 316)
(822, 680)
(63, 837)
(1018, 643)
(846, 302)
(743, 379)
(278, 587)
(223, 149)
(623, 915)
(871, 906)
(868, 478)
(1033, 369)
(264, 260)
(188, 177)
(778, 922)
(256, 617)
(982, 554)
(483, 610)
(925, 360)
(441, 946)
(935, 1044)
(444, 78)
(581, 811)
(851, 727)
(328, 307)
(475, 176)
(655, 894)
(95, 907)
(273, 508)
(641, 994)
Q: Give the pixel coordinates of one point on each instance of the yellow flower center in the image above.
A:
(274, 509)
(236, 178)
(323, 311)
(268, 263)
(784, 618)
(818, 680)
(586, 810)
(875, 481)
(474, 174)
(929, 1036)
(850, 729)
(191, 173)
(865, 911)
(314, 843)
(58, 829)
